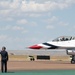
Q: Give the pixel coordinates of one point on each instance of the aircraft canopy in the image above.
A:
(64, 38)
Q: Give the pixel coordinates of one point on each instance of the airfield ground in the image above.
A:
(39, 65)
(22, 63)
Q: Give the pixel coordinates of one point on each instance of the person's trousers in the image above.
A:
(3, 66)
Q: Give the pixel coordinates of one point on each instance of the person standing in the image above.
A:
(4, 59)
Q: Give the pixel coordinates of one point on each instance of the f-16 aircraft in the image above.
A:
(62, 42)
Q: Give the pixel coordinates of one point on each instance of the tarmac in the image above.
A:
(57, 65)
(39, 65)
(22, 63)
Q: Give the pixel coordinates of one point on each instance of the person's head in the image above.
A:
(3, 48)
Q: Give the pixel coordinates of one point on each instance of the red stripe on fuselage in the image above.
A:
(35, 47)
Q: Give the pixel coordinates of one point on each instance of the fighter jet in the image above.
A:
(62, 42)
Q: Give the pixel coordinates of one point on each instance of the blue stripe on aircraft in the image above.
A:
(51, 46)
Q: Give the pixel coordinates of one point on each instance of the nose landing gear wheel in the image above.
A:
(73, 59)
(72, 62)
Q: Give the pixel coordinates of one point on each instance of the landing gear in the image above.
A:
(73, 59)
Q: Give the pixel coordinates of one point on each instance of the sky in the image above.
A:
(27, 22)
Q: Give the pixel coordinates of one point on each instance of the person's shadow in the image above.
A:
(9, 72)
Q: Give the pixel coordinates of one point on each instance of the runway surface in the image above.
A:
(40, 68)
(39, 65)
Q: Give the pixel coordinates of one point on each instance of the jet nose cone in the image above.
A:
(35, 47)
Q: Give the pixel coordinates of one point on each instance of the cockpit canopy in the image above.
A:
(64, 38)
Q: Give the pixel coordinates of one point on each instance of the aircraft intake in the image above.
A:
(70, 52)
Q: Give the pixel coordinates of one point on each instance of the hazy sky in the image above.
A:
(27, 22)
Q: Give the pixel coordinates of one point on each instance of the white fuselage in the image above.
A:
(64, 44)
(59, 43)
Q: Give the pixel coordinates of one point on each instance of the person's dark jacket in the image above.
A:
(4, 55)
